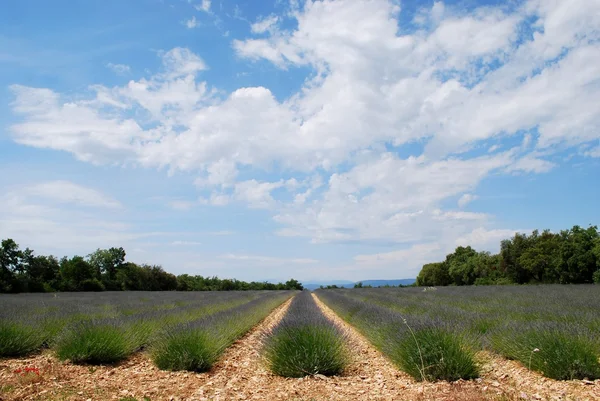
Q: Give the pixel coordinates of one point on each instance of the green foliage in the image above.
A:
(596, 277)
(436, 354)
(19, 339)
(92, 284)
(460, 266)
(193, 350)
(76, 271)
(434, 274)
(556, 354)
(568, 257)
(303, 350)
(107, 261)
(195, 346)
(292, 284)
(95, 343)
(105, 269)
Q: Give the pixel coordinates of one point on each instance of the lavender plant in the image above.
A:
(562, 321)
(426, 348)
(122, 322)
(196, 345)
(305, 342)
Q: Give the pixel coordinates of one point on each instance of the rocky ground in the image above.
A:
(241, 375)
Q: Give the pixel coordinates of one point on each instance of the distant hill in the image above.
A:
(350, 284)
(340, 283)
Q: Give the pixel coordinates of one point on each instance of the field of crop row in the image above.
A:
(181, 331)
(430, 333)
(435, 333)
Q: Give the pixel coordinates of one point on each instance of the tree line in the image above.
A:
(105, 270)
(568, 257)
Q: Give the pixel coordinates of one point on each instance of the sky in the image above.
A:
(319, 140)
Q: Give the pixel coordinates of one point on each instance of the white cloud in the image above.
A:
(531, 164)
(594, 152)
(486, 240)
(60, 218)
(265, 24)
(119, 69)
(68, 192)
(181, 205)
(418, 253)
(462, 82)
(269, 260)
(192, 23)
(204, 6)
(465, 199)
(186, 243)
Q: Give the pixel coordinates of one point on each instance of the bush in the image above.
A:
(306, 350)
(196, 345)
(596, 277)
(95, 343)
(19, 339)
(92, 285)
(193, 350)
(435, 354)
(556, 354)
(305, 342)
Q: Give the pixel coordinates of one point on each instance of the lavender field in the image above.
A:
(436, 333)
(108, 327)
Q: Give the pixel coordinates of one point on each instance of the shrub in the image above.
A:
(19, 339)
(596, 277)
(193, 350)
(306, 350)
(305, 342)
(557, 354)
(92, 284)
(197, 345)
(435, 354)
(95, 343)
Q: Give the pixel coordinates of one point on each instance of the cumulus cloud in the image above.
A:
(465, 199)
(63, 217)
(463, 83)
(265, 24)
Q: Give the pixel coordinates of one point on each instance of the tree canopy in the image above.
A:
(567, 257)
(105, 269)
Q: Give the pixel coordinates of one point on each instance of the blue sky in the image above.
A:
(346, 139)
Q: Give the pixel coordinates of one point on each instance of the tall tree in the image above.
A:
(10, 265)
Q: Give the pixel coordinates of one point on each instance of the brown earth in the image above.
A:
(241, 375)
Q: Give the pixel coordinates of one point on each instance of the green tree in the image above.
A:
(542, 258)
(434, 274)
(107, 263)
(77, 273)
(577, 251)
(292, 284)
(42, 273)
(461, 267)
(510, 251)
(10, 265)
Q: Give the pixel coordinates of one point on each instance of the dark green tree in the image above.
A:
(462, 266)
(10, 265)
(434, 274)
(292, 284)
(78, 275)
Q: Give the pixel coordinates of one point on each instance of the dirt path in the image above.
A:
(241, 375)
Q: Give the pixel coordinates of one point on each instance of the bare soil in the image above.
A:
(241, 375)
